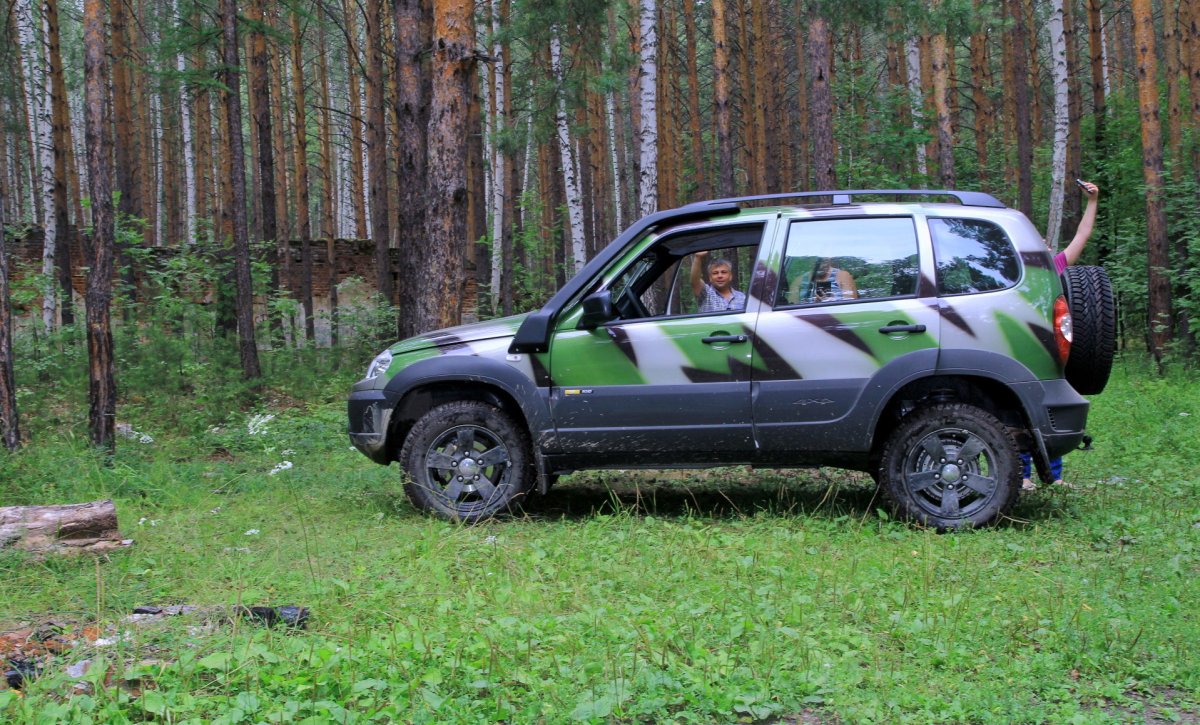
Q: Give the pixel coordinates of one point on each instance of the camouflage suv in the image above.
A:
(939, 357)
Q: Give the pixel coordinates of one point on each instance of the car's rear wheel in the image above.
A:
(1094, 328)
(950, 466)
(467, 461)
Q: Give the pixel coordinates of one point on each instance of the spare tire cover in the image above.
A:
(1094, 328)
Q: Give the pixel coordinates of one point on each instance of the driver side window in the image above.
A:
(689, 273)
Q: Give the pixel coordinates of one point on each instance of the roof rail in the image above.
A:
(966, 198)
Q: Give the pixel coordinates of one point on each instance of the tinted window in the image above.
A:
(835, 260)
(972, 256)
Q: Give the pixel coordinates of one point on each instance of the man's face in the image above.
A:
(719, 276)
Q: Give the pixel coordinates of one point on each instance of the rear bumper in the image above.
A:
(1057, 415)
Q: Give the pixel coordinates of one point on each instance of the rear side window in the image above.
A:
(972, 256)
(842, 260)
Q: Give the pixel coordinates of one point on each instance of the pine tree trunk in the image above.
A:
(1099, 87)
(1058, 73)
(412, 105)
(1173, 67)
(300, 146)
(1071, 205)
(61, 134)
(979, 97)
(261, 101)
(821, 65)
(695, 142)
(10, 419)
(102, 388)
(1157, 258)
(446, 190)
(941, 103)
(377, 148)
(764, 180)
(803, 111)
(328, 209)
(1020, 92)
(203, 147)
(722, 99)
(247, 348)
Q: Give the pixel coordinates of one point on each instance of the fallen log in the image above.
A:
(68, 528)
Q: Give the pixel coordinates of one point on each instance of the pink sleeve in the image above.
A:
(1060, 262)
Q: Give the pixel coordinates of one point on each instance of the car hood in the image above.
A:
(462, 334)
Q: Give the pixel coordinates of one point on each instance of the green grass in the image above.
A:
(720, 596)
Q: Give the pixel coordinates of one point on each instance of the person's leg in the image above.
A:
(1056, 469)
(1026, 472)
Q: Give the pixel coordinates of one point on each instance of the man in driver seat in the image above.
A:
(718, 293)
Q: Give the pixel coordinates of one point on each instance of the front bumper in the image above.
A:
(370, 415)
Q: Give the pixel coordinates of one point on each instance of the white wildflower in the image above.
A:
(281, 466)
(288, 452)
(1184, 415)
(252, 532)
(490, 540)
(145, 439)
(257, 425)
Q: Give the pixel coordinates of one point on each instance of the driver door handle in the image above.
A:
(715, 339)
(889, 329)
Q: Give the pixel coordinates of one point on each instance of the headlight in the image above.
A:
(379, 365)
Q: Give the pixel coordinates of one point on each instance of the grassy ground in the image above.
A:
(720, 596)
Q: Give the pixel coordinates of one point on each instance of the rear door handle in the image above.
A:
(715, 339)
(889, 329)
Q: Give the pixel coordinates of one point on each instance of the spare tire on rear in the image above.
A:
(1094, 328)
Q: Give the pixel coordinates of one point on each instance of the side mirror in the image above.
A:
(597, 310)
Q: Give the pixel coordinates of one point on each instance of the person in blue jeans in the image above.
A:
(1068, 256)
(1056, 469)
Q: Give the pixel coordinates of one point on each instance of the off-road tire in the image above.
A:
(1094, 328)
(467, 461)
(928, 481)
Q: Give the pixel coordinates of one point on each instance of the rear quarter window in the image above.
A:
(972, 256)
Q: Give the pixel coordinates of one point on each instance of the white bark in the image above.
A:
(570, 176)
(528, 161)
(498, 170)
(912, 53)
(648, 95)
(1058, 73)
(189, 154)
(35, 51)
(610, 114)
(1104, 57)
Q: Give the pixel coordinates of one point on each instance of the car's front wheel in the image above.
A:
(467, 461)
(951, 466)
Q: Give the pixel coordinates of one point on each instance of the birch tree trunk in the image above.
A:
(648, 131)
(1157, 257)
(354, 121)
(610, 118)
(570, 177)
(912, 57)
(501, 283)
(1058, 170)
(189, 155)
(102, 388)
(43, 135)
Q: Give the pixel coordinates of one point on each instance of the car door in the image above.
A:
(854, 313)
(666, 383)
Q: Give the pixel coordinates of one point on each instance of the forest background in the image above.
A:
(500, 144)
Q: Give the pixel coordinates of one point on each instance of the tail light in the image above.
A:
(1062, 328)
